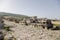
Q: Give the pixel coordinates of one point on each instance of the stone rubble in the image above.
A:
(22, 32)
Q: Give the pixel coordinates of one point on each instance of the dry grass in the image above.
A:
(56, 23)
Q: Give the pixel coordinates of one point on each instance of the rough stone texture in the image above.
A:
(22, 32)
(1, 35)
(1, 23)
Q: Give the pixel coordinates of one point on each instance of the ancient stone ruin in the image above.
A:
(1, 23)
(34, 21)
(38, 22)
(1, 28)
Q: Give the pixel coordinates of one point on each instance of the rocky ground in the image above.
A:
(22, 32)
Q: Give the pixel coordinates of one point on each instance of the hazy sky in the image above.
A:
(40, 8)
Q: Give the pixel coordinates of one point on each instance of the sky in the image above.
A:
(40, 8)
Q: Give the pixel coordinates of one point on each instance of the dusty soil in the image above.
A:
(22, 32)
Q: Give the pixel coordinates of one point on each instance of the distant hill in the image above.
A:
(14, 15)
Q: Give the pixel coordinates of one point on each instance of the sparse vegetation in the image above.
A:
(56, 24)
(7, 28)
(13, 15)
